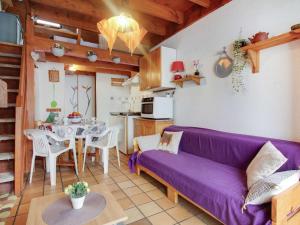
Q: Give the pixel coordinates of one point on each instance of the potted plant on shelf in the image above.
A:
(196, 67)
(77, 192)
(58, 50)
(92, 57)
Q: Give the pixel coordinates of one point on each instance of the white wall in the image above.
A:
(110, 98)
(270, 105)
(44, 89)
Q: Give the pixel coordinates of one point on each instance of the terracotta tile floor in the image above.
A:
(143, 199)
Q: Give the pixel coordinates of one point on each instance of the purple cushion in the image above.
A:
(232, 149)
(217, 187)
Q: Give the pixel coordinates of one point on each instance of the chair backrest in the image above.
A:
(113, 136)
(98, 128)
(66, 131)
(40, 141)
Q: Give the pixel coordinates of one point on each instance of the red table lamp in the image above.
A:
(177, 67)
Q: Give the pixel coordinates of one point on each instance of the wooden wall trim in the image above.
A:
(74, 50)
(84, 62)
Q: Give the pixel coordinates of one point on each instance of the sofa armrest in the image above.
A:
(285, 206)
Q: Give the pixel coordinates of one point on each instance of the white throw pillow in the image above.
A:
(263, 190)
(149, 142)
(266, 162)
(170, 141)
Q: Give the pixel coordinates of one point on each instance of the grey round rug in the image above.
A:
(61, 211)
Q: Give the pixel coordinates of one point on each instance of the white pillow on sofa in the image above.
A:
(263, 190)
(148, 142)
(170, 141)
(266, 162)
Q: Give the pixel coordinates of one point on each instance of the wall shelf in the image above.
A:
(53, 110)
(253, 50)
(193, 78)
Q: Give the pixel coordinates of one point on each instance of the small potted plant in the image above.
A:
(92, 57)
(58, 50)
(77, 193)
(196, 67)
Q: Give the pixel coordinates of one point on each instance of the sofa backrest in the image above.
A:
(232, 149)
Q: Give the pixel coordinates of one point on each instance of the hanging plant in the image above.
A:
(240, 61)
(92, 57)
(240, 58)
(58, 50)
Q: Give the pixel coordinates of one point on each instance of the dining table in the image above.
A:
(80, 135)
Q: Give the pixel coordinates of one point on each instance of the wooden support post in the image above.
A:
(254, 58)
(138, 170)
(78, 36)
(97, 160)
(79, 156)
(30, 103)
(172, 194)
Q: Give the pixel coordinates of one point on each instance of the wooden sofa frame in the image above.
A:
(285, 206)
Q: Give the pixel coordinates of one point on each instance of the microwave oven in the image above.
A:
(157, 108)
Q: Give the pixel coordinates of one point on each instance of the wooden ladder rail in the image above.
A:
(20, 124)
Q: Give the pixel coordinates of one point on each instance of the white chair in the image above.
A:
(104, 141)
(43, 148)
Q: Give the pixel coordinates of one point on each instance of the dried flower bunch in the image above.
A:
(77, 190)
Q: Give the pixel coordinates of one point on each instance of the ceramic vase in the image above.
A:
(92, 58)
(77, 203)
(59, 52)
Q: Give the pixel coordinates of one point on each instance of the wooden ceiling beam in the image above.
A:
(6, 4)
(194, 14)
(102, 70)
(85, 62)
(45, 45)
(153, 9)
(79, 72)
(48, 31)
(86, 15)
(203, 3)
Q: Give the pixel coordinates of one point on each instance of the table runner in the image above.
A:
(61, 212)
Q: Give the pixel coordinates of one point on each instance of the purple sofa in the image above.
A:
(210, 169)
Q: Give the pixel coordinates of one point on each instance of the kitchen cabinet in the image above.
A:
(155, 69)
(143, 127)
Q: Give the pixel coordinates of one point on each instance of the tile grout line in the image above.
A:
(116, 167)
(151, 200)
(116, 171)
(143, 192)
(127, 196)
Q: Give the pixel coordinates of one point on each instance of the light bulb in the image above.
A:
(72, 68)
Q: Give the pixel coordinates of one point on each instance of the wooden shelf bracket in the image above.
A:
(194, 78)
(254, 58)
(253, 50)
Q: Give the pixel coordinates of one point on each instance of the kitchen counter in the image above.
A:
(149, 119)
(125, 113)
(145, 126)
